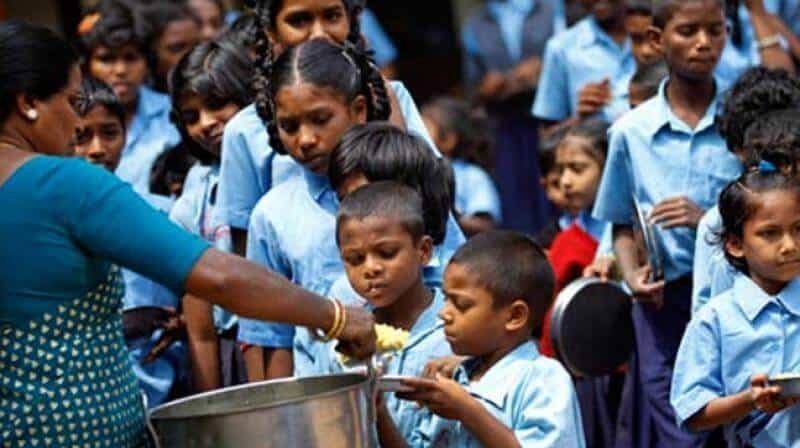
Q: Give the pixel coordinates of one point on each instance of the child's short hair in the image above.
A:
(381, 151)
(170, 167)
(510, 266)
(547, 150)
(758, 91)
(471, 127)
(775, 138)
(596, 132)
(97, 93)
(737, 205)
(648, 77)
(639, 7)
(384, 199)
(116, 26)
(663, 10)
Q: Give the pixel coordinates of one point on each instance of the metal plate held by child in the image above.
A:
(592, 328)
(651, 244)
(393, 383)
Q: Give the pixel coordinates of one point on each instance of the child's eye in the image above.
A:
(288, 126)
(83, 136)
(387, 254)
(321, 119)
(111, 132)
(685, 30)
(299, 20)
(334, 15)
(353, 260)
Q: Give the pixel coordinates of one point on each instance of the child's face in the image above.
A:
(771, 240)
(693, 39)
(100, 137)
(302, 20)
(579, 172)
(311, 120)
(210, 16)
(636, 25)
(445, 141)
(472, 324)
(603, 10)
(177, 39)
(552, 188)
(205, 121)
(382, 260)
(124, 69)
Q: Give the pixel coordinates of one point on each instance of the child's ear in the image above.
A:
(655, 35)
(733, 246)
(518, 315)
(425, 247)
(358, 109)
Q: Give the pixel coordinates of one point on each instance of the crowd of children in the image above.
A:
(276, 135)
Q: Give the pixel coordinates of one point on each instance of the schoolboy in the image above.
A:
(668, 156)
(498, 287)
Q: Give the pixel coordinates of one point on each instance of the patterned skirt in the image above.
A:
(65, 378)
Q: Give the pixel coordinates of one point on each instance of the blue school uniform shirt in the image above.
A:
(250, 167)
(739, 333)
(654, 156)
(475, 190)
(511, 15)
(377, 39)
(530, 394)
(193, 212)
(151, 132)
(580, 55)
(712, 274)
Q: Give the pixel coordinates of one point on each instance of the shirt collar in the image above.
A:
(521, 7)
(318, 185)
(751, 299)
(495, 384)
(662, 114)
(151, 103)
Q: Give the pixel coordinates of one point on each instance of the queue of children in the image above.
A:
(279, 138)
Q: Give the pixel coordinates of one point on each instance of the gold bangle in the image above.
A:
(342, 323)
(334, 331)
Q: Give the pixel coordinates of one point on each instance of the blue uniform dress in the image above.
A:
(250, 167)
(65, 378)
(475, 191)
(712, 273)
(654, 156)
(738, 334)
(580, 55)
(497, 37)
(530, 394)
(377, 39)
(293, 232)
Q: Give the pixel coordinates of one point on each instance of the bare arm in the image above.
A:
(773, 56)
(487, 429)
(388, 434)
(721, 411)
(203, 344)
(635, 275)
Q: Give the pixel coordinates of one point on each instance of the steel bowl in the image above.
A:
(789, 384)
(326, 411)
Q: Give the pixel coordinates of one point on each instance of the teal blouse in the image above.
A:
(63, 222)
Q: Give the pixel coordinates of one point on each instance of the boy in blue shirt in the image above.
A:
(583, 64)
(498, 286)
(668, 156)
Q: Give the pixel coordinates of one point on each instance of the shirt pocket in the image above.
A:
(719, 169)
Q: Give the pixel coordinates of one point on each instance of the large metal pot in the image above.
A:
(328, 411)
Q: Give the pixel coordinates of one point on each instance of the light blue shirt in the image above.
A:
(655, 156)
(511, 15)
(426, 342)
(193, 212)
(150, 134)
(712, 274)
(580, 55)
(738, 334)
(250, 167)
(475, 190)
(560, 19)
(530, 394)
(377, 39)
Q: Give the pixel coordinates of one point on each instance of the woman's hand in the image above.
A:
(358, 338)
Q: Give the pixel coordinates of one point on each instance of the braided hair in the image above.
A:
(266, 13)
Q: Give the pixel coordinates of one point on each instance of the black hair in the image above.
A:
(758, 91)
(737, 204)
(97, 93)
(266, 12)
(323, 64)
(217, 71)
(170, 166)
(596, 132)
(384, 199)
(156, 17)
(775, 138)
(639, 7)
(510, 266)
(547, 150)
(242, 31)
(34, 61)
(117, 26)
(663, 10)
(381, 151)
(471, 128)
(648, 77)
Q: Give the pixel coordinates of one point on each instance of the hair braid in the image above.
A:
(264, 103)
(378, 97)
